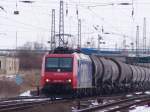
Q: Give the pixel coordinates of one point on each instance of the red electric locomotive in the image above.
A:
(63, 71)
(58, 73)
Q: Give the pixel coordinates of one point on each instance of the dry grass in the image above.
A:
(31, 79)
(8, 88)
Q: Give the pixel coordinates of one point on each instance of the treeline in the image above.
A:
(29, 60)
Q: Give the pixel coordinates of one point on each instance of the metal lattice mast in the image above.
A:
(79, 33)
(144, 35)
(124, 42)
(53, 41)
(61, 25)
(137, 40)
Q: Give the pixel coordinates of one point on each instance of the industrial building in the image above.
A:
(9, 65)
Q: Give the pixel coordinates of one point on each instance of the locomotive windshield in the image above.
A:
(55, 64)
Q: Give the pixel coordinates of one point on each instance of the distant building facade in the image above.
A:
(9, 65)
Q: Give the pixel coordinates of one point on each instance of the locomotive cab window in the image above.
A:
(52, 63)
(64, 64)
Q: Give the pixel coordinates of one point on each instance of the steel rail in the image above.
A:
(24, 103)
(127, 105)
(22, 97)
(18, 103)
(105, 106)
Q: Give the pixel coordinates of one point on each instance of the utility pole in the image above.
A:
(100, 42)
(79, 33)
(53, 41)
(124, 42)
(137, 41)
(132, 46)
(116, 46)
(99, 38)
(16, 40)
(144, 36)
(61, 25)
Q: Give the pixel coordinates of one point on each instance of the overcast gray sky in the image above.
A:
(34, 21)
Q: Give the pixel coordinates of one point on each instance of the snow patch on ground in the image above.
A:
(95, 103)
(129, 95)
(9, 77)
(141, 109)
(134, 106)
(27, 93)
(147, 92)
(138, 93)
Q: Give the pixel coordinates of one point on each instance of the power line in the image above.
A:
(61, 24)
(26, 24)
(53, 40)
(102, 19)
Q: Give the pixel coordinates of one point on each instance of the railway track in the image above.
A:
(22, 103)
(10, 104)
(116, 105)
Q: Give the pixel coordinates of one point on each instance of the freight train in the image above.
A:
(70, 71)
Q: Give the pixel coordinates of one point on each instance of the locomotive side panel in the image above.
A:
(84, 77)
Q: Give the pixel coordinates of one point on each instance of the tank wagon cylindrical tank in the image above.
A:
(97, 71)
(112, 75)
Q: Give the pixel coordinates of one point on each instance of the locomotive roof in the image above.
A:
(64, 50)
(82, 56)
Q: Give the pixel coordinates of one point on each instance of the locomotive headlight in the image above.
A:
(69, 80)
(47, 80)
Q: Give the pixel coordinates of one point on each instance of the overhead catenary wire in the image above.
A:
(72, 4)
(81, 5)
(26, 24)
(102, 19)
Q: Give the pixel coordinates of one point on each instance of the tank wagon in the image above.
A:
(68, 71)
